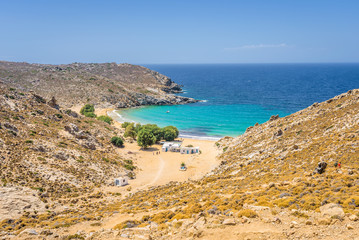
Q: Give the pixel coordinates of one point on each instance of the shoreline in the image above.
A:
(120, 119)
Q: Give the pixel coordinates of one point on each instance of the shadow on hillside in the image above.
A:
(150, 149)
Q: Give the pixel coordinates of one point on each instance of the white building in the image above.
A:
(189, 150)
(171, 146)
(121, 181)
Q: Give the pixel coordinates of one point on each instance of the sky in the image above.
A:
(176, 32)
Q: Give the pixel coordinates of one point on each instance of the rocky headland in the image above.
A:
(106, 85)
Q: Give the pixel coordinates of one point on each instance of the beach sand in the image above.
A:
(155, 167)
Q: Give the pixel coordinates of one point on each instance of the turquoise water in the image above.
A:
(202, 120)
(240, 95)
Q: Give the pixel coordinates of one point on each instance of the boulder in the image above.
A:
(324, 221)
(332, 210)
(53, 103)
(353, 217)
(229, 221)
(321, 167)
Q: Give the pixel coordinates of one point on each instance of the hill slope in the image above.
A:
(270, 171)
(103, 84)
(51, 156)
(267, 186)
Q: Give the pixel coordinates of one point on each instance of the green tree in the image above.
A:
(169, 135)
(171, 128)
(130, 131)
(156, 131)
(145, 138)
(117, 141)
(88, 110)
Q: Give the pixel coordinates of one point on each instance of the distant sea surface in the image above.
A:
(237, 96)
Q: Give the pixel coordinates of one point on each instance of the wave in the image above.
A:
(200, 137)
(118, 117)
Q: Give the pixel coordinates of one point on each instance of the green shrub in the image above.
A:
(117, 141)
(88, 110)
(125, 124)
(105, 119)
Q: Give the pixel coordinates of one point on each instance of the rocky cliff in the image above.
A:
(103, 84)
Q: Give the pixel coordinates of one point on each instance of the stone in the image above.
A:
(353, 217)
(282, 195)
(278, 133)
(244, 219)
(229, 221)
(324, 221)
(271, 184)
(332, 210)
(273, 117)
(277, 220)
(321, 167)
(199, 224)
(53, 103)
(308, 222)
(350, 227)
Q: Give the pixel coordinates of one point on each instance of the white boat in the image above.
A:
(168, 112)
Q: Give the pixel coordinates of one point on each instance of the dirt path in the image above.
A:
(159, 172)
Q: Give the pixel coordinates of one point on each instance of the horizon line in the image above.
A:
(214, 63)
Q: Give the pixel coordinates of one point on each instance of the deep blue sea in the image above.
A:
(239, 95)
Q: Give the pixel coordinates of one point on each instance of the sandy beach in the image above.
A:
(155, 167)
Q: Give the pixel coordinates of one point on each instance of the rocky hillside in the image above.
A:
(103, 84)
(269, 176)
(51, 157)
(268, 186)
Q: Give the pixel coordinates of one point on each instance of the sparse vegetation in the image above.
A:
(105, 119)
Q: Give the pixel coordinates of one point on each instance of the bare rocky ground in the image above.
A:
(268, 185)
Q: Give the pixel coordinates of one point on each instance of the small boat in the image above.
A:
(168, 112)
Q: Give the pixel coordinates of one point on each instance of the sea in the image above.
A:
(236, 96)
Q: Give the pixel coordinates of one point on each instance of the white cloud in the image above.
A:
(258, 46)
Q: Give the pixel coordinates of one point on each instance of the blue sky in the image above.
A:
(196, 31)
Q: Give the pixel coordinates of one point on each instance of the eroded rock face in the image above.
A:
(85, 138)
(14, 200)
